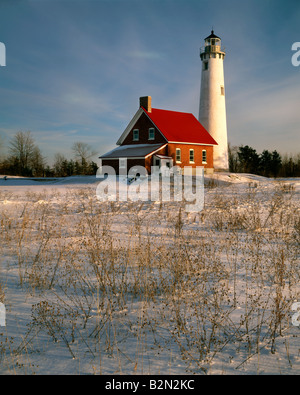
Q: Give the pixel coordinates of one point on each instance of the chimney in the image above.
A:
(145, 102)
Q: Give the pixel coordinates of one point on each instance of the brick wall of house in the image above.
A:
(185, 155)
(147, 162)
(114, 163)
(169, 150)
(143, 124)
(149, 159)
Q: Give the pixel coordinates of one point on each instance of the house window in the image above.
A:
(151, 134)
(178, 155)
(204, 156)
(222, 91)
(205, 65)
(192, 156)
(135, 135)
(122, 163)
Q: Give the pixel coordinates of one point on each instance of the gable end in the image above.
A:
(141, 122)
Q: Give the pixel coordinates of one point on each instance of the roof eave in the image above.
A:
(130, 126)
(185, 142)
(147, 114)
(139, 156)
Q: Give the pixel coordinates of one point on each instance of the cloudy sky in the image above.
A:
(75, 69)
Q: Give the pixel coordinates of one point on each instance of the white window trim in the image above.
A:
(204, 161)
(192, 150)
(178, 149)
(138, 134)
(151, 138)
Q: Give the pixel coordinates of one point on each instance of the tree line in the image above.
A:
(24, 158)
(245, 159)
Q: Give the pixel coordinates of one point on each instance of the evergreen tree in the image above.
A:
(276, 163)
(265, 163)
(249, 159)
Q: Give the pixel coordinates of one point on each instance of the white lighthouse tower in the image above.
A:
(212, 111)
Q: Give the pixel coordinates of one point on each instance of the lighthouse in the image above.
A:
(212, 109)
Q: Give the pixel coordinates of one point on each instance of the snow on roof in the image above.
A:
(129, 151)
(163, 156)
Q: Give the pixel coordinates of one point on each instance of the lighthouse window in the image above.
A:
(205, 65)
(204, 156)
(222, 91)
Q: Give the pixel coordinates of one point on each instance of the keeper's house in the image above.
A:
(159, 138)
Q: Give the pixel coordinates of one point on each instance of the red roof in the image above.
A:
(180, 127)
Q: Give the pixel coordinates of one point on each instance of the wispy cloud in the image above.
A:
(146, 55)
(77, 72)
(267, 116)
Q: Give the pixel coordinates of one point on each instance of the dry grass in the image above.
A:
(131, 282)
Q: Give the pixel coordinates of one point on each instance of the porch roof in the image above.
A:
(132, 151)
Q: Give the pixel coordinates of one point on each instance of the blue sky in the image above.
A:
(75, 69)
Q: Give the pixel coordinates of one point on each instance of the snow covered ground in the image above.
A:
(94, 287)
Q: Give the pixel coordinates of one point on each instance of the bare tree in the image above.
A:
(59, 161)
(25, 156)
(37, 162)
(233, 158)
(83, 154)
(21, 148)
(83, 151)
(1, 147)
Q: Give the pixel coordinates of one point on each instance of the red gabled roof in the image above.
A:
(180, 127)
